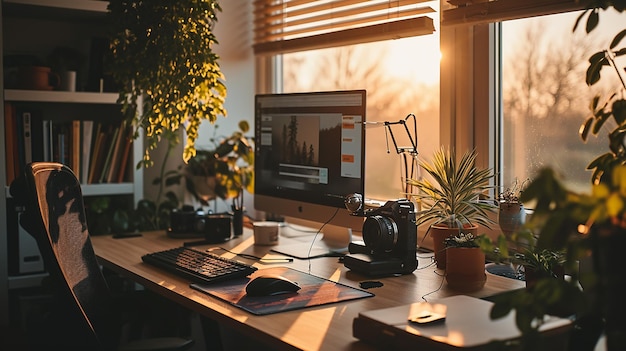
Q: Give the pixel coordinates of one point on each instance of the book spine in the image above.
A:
(86, 135)
(46, 127)
(75, 150)
(28, 146)
(10, 142)
(36, 128)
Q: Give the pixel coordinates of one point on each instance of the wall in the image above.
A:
(234, 34)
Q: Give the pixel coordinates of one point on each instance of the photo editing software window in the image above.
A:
(309, 154)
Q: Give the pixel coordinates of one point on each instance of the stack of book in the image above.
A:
(97, 151)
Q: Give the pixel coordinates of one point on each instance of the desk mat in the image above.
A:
(314, 291)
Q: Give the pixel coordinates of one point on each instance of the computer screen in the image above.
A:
(309, 155)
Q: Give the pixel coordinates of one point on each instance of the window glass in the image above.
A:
(545, 98)
(401, 78)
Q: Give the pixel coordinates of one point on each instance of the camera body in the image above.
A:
(389, 241)
(190, 223)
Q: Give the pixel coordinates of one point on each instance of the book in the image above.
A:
(19, 144)
(46, 146)
(125, 155)
(116, 155)
(95, 151)
(37, 136)
(61, 143)
(110, 146)
(85, 152)
(466, 324)
(75, 150)
(99, 154)
(10, 142)
(26, 139)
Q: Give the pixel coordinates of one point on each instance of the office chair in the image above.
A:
(83, 316)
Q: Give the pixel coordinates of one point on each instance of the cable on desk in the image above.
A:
(252, 257)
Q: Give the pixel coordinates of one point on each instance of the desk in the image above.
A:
(326, 327)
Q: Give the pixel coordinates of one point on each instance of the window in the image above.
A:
(545, 98)
(401, 77)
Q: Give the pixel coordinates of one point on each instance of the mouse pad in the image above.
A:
(314, 291)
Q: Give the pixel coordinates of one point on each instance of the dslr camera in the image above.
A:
(190, 223)
(389, 241)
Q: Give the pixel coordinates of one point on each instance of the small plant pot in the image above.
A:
(511, 217)
(439, 234)
(465, 268)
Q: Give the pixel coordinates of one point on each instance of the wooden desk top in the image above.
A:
(326, 327)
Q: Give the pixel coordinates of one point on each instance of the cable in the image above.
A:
(252, 257)
(315, 236)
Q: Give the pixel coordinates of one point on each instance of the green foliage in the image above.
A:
(614, 107)
(231, 162)
(163, 51)
(467, 240)
(454, 197)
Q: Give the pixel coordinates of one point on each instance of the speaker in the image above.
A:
(24, 256)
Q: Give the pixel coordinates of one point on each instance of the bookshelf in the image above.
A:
(33, 29)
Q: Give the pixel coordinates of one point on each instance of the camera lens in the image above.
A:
(380, 233)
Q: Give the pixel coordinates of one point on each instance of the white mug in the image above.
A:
(68, 81)
(266, 233)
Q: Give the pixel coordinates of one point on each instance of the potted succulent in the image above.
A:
(465, 261)
(451, 201)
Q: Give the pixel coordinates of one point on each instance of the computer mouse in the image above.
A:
(268, 285)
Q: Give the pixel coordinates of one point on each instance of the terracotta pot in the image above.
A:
(204, 187)
(439, 233)
(532, 276)
(465, 268)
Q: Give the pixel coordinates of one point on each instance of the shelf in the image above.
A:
(26, 281)
(59, 9)
(108, 189)
(60, 96)
(99, 189)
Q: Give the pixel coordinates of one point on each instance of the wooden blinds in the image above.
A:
(282, 26)
(477, 12)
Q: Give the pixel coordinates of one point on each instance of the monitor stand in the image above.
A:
(306, 240)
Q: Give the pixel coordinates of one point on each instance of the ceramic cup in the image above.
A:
(68, 81)
(37, 78)
(266, 233)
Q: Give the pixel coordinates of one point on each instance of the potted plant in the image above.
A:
(451, 202)
(161, 54)
(224, 172)
(511, 212)
(465, 261)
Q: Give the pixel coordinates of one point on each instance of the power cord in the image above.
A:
(252, 257)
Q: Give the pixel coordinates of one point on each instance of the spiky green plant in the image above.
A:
(453, 196)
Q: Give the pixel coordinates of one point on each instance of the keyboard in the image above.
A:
(199, 266)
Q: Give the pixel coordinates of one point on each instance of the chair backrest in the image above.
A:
(55, 216)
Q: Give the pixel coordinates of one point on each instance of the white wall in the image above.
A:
(234, 34)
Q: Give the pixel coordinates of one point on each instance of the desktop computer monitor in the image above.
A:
(309, 155)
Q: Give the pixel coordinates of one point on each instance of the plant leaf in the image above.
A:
(617, 39)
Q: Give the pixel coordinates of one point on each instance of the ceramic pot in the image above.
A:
(511, 217)
(204, 187)
(439, 233)
(465, 268)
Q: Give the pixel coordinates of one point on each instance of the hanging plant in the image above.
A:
(162, 51)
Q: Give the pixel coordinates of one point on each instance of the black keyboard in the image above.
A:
(203, 267)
